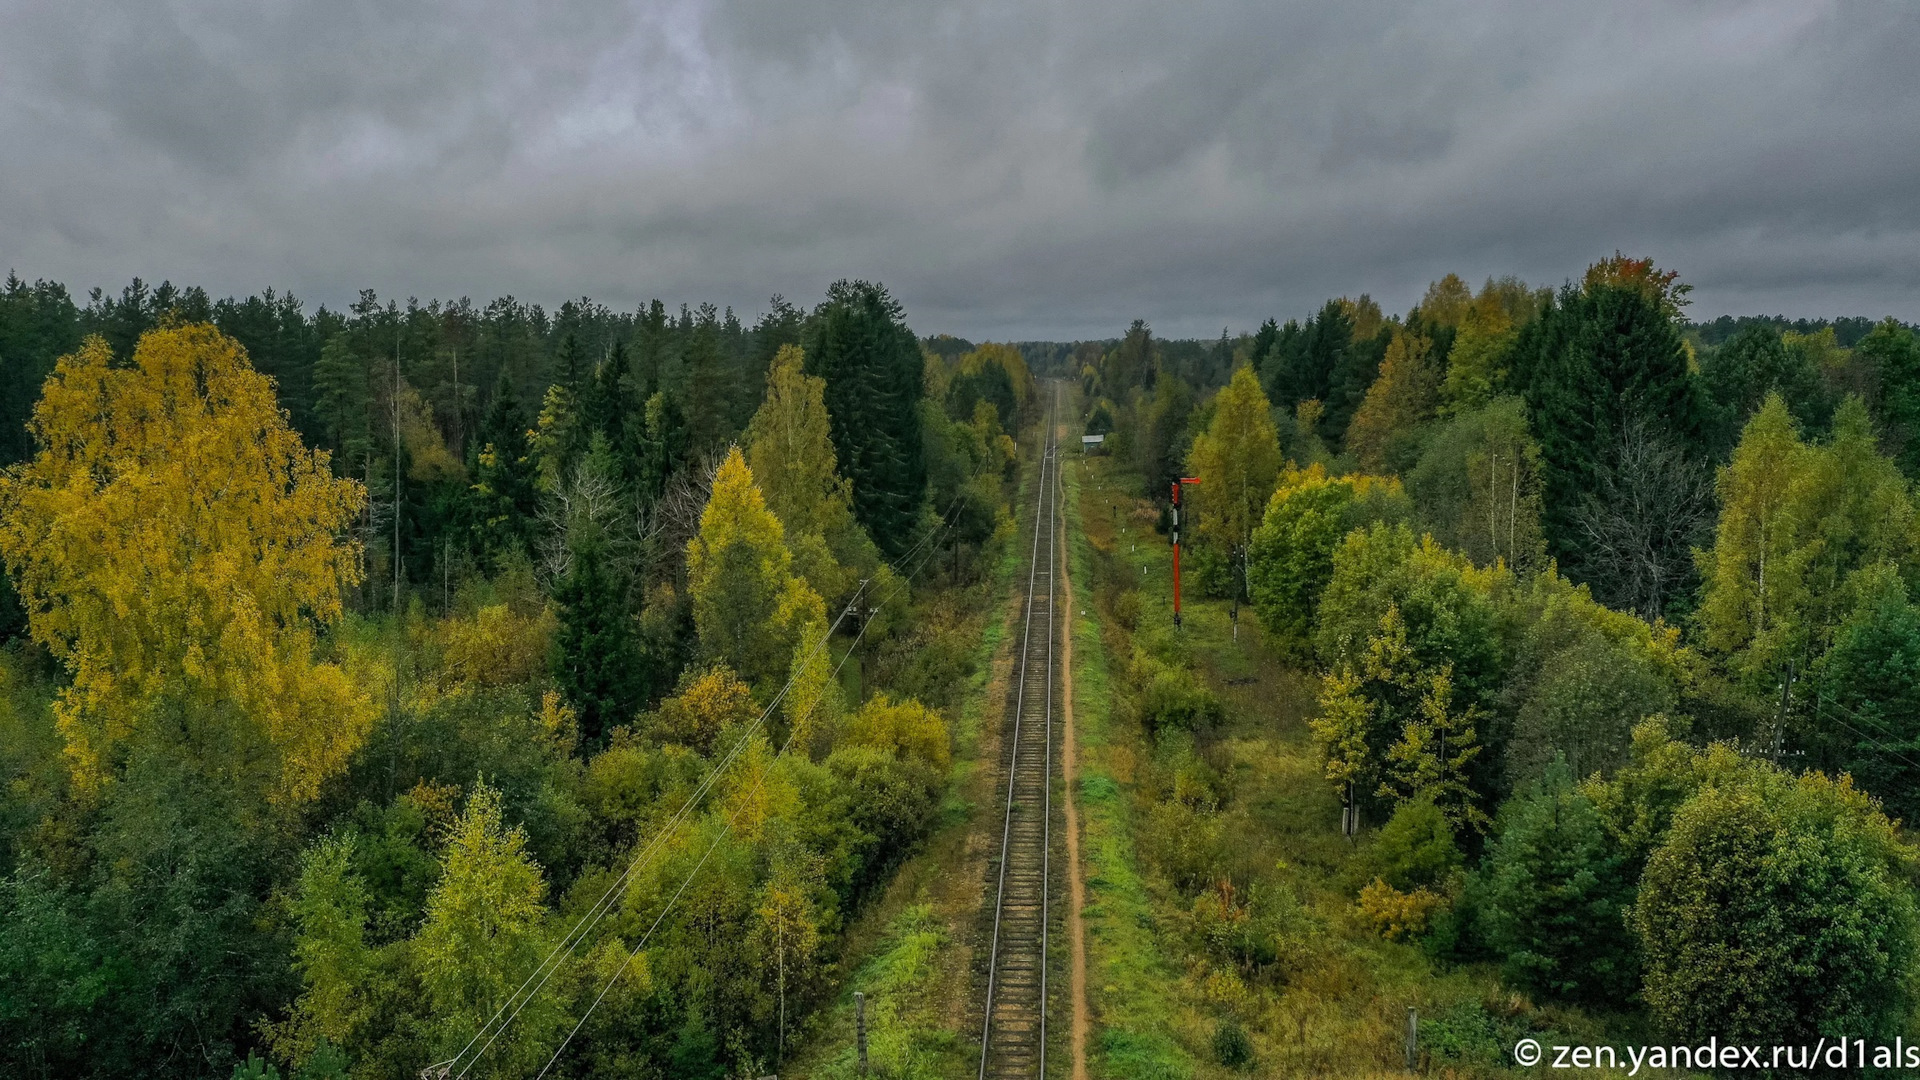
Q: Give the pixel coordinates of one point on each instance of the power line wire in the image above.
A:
(901, 583)
(641, 945)
(618, 889)
(585, 924)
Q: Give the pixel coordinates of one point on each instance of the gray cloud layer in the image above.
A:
(1008, 167)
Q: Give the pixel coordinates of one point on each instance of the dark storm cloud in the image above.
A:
(1009, 168)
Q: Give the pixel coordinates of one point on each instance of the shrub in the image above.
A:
(1779, 907)
(1231, 1046)
(1415, 848)
(1396, 915)
(1174, 699)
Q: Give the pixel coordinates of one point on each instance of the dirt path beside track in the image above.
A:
(1076, 886)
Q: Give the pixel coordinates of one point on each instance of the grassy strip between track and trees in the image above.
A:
(909, 952)
(1223, 934)
(1127, 974)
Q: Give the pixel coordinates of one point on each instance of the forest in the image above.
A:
(1586, 696)
(586, 692)
(484, 688)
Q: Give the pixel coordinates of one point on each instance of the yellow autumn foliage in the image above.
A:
(497, 647)
(907, 728)
(175, 544)
(1397, 915)
(707, 703)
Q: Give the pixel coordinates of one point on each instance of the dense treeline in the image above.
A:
(359, 656)
(1613, 622)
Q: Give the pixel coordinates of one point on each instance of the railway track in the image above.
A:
(1013, 1036)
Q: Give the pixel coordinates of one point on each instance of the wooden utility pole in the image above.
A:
(1413, 1039)
(860, 1030)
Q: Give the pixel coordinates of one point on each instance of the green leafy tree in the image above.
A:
(1778, 908)
(1383, 436)
(1796, 522)
(484, 932)
(1366, 704)
(1159, 432)
(1237, 460)
(1432, 758)
(1478, 485)
(1755, 592)
(790, 452)
(1415, 849)
(1590, 695)
(1290, 557)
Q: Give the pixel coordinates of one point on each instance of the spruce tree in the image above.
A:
(874, 375)
(596, 655)
(1610, 355)
(503, 498)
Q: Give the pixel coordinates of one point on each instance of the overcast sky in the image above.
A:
(1010, 168)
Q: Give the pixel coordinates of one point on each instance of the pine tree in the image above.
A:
(1304, 361)
(1891, 352)
(1610, 356)
(1354, 367)
(1557, 892)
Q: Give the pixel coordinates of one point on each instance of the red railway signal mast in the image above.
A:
(1176, 544)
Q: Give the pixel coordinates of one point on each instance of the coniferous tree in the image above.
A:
(1355, 367)
(1892, 355)
(1260, 350)
(1556, 897)
(1738, 376)
(1304, 362)
(874, 376)
(504, 493)
(596, 650)
(1608, 356)
(38, 324)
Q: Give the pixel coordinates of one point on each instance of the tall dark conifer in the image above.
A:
(1606, 357)
(858, 342)
(503, 499)
(596, 657)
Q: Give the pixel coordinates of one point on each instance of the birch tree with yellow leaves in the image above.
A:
(178, 548)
